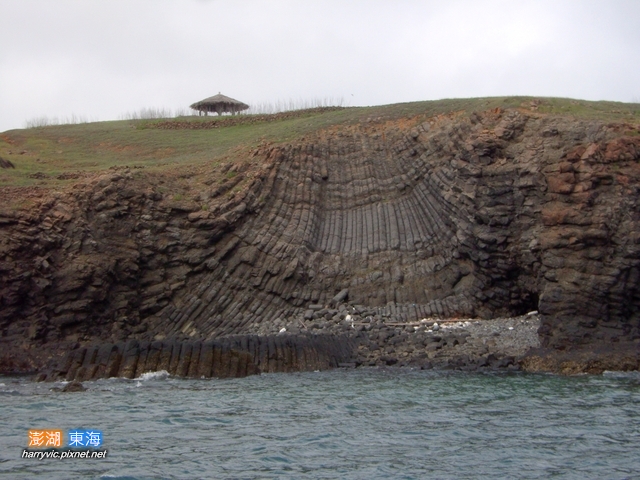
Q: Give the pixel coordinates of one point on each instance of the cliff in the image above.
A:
(488, 214)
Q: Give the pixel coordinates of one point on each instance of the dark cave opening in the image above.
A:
(528, 303)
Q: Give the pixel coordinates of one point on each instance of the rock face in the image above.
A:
(235, 356)
(495, 214)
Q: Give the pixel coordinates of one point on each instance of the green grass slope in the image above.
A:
(54, 156)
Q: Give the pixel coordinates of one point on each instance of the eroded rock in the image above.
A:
(492, 215)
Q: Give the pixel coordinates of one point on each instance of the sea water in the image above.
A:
(341, 424)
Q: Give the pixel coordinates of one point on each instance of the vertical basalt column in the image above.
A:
(237, 356)
(194, 364)
(182, 369)
(205, 364)
(234, 364)
(130, 359)
(77, 358)
(176, 352)
(221, 364)
(164, 357)
(102, 359)
(115, 360)
(143, 353)
(153, 356)
(88, 366)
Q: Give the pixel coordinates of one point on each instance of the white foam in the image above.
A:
(161, 375)
(618, 374)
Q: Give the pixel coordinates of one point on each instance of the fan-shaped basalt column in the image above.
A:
(449, 219)
(391, 216)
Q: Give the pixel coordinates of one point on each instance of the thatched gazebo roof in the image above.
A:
(219, 103)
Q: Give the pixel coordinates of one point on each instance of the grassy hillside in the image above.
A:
(54, 156)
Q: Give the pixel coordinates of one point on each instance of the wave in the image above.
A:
(147, 376)
(633, 375)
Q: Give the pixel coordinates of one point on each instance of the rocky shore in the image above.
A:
(348, 336)
(461, 344)
(374, 232)
(352, 337)
(385, 338)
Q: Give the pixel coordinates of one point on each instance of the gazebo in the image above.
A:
(220, 104)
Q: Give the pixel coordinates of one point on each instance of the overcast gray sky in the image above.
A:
(101, 59)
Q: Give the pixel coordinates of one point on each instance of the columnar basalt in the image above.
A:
(234, 356)
(495, 214)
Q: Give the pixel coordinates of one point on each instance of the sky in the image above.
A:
(100, 60)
